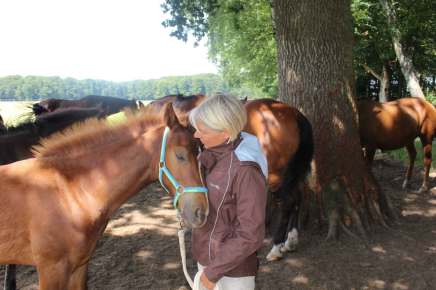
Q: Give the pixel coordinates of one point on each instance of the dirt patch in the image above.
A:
(139, 249)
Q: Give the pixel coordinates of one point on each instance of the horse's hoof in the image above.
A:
(291, 243)
(275, 253)
(423, 189)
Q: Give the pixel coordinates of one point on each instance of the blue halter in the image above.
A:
(163, 169)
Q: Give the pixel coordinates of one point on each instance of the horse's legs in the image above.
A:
(78, 278)
(10, 279)
(426, 145)
(285, 207)
(412, 156)
(292, 239)
(53, 276)
(369, 155)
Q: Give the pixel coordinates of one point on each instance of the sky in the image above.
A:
(116, 40)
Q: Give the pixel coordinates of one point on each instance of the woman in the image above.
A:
(235, 171)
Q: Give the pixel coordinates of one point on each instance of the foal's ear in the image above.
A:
(170, 118)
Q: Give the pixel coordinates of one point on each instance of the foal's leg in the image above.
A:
(53, 276)
(369, 155)
(78, 278)
(412, 156)
(426, 145)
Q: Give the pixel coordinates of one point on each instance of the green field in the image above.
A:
(14, 113)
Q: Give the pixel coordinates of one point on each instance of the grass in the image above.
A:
(14, 113)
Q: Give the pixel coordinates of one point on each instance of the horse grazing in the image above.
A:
(286, 138)
(56, 206)
(396, 124)
(109, 105)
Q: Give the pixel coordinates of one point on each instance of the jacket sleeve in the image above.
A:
(250, 189)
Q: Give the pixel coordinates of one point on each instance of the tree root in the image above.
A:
(333, 225)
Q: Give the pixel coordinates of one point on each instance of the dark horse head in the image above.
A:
(108, 105)
(16, 141)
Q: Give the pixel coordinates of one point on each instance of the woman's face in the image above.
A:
(209, 137)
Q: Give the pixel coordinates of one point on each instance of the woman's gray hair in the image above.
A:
(220, 112)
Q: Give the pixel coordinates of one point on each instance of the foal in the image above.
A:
(56, 206)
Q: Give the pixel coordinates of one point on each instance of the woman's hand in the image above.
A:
(206, 282)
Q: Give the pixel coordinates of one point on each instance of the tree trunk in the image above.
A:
(315, 75)
(383, 94)
(405, 62)
(384, 80)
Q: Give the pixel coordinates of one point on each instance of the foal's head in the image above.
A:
(182, 177)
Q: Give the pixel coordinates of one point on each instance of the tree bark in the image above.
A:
(405, 62)
(315, 75)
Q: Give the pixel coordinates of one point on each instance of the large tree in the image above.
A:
(314, 53)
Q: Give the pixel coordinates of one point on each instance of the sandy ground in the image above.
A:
(139, 249)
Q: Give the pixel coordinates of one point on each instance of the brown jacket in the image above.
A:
(238, 232)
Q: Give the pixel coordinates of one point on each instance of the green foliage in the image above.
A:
(240, 34)
(241, 41)
(431, 97)
(373, 46)
(29, 88)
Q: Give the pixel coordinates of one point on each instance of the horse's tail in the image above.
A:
(299, 165)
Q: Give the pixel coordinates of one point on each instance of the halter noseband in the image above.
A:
(163, 169)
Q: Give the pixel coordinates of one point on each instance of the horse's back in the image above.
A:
(392, 125)
(275, 125)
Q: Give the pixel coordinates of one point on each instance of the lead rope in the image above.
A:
(181, 234)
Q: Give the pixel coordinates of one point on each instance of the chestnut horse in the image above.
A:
(396, 124)
(16, 143)
(56, 206)
(287, 141)
(109, 105)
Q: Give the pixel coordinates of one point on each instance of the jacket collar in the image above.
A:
(209, 157)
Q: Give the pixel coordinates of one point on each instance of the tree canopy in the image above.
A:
(241, 40)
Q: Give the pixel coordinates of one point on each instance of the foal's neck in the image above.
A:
(123, 171)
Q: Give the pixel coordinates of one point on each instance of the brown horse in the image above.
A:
(56, 206)
(2, 125)
(109, 105)
(396, 124)
(287, 141)
(182, 105)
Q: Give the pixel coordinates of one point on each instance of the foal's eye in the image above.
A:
(180, 157)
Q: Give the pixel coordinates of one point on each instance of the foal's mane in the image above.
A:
(68, 148)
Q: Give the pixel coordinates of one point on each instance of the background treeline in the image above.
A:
(28, 88)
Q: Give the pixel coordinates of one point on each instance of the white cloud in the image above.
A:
(102, 39)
